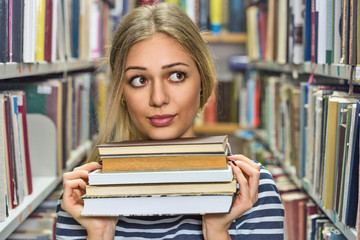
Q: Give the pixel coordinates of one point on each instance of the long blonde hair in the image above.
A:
(140, 24)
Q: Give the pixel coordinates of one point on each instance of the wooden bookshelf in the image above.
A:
(43, 186)
(229, 38)
(15, 70)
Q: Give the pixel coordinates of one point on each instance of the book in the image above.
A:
(143, 190)
(335, 103)
(211, 144)
(48, 30)
(17, 31)
(160, 205)
(215, 16)
(163, 162)
(294, 204)
(99, 177)
(4, 33)
(40, 31)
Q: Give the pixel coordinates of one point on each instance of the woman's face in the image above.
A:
(162, 88)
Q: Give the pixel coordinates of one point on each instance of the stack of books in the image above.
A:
(164, 177)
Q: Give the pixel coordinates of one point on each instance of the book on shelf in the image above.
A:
(14, 149)
(52, 30)
(99, 177)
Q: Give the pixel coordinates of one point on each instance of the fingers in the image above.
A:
(240, 157)
(89, 167)
(248, 177)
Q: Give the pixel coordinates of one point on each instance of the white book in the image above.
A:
(322, 32)
(141, 177)
(157, 205)
(337, 32)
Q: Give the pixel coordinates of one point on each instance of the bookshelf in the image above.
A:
(43, 186)
(289, 47)
(16, 70)
(349, 232)
(335, 71)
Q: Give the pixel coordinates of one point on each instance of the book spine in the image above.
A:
(17, 30)
(215, 16)
(40, 31)
(4, 33)
(48, 30)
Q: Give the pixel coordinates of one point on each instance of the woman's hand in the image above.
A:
(74, 186)
(247, 172)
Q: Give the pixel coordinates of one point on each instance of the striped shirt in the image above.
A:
(265, 220)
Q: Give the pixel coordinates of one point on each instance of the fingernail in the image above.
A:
(232, 161)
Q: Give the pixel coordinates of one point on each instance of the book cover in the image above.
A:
(344, 53)
(40, 30)
(99, 177)
(143, 190)
(237, 20)
(198, 144)
(352, 199)
(4, 33)
(24, 139)
(307, 31)
(48, 31)
(160, 205)
(163, 162)
(298, 32)
(337, 31)
(215, 16)
(282, 36)
(75, 28)
(3, 159)
(17, 30)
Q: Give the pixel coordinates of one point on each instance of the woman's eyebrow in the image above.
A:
(135, 67)
(173, 65)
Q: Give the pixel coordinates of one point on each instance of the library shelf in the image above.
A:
(349, 232)
(43, 186)
(226, 37)
(15, 70)
(337, 71)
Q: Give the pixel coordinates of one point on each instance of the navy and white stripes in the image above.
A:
(264, 221)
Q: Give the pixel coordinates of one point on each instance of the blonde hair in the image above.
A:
(140, 24)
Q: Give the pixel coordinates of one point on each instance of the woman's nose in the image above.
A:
(159, 94)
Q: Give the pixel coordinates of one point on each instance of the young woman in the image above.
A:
(162, 76)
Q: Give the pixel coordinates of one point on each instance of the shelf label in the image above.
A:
(20, 218)
(44, 89)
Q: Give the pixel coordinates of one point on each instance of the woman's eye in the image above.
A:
(138, 81)
(177, 77)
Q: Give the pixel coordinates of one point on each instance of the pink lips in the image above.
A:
(161, 120)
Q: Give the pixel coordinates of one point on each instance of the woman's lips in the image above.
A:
(161, 120)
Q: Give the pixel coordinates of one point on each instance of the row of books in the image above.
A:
(53, 30)
(41, 223)
(315, 130)
(209, 15)
(15, 167)
(303, 217)
(66, 102)
(181, 176)
(69, 104)
(295, 31)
